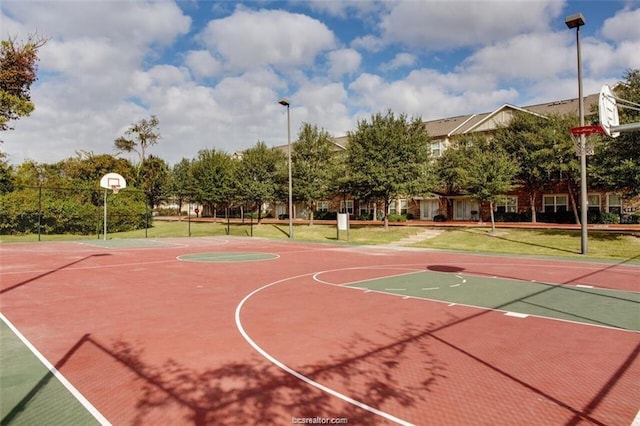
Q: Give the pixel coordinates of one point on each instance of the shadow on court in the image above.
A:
(252, 391)
(53, 271)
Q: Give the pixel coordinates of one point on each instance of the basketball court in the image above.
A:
(248, 331)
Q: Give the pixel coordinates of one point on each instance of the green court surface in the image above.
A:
(227, 257)
(611, 308)
(29, 393)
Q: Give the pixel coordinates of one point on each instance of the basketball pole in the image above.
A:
(105, 215)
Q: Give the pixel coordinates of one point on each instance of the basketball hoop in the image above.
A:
(587, 131)
(115, 188)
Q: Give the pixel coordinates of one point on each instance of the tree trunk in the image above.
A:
(386, 213)
(532, 205)
(493, 220)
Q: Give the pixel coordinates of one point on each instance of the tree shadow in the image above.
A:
(60, 268)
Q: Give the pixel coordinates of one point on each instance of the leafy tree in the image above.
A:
(543, 150)
(18, 66)
(181, 185)
(6, 176)
(139, 137)
(311, 156)
(616, 163)
(154, 173)
(488, 173)
(213, 178)
(387, 157)
(260, 175)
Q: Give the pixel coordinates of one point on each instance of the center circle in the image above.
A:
(227, 257)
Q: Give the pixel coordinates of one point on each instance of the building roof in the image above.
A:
(445, 127)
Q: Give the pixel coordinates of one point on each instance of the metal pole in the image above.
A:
(583, 156)
(290, 182)
(39, 210)
(105, 215)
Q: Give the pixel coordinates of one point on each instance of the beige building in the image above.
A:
(458, 207)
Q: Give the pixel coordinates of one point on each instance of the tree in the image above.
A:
(139, 137)
(488, 173)
(213, 178)
(6, 175)
(18, 66)
(543, 150)
(152, 178)
(181, 185)
(260, 175)
(311, 156)
(387, 157)
(616, 163)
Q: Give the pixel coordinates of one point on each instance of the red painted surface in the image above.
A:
(149, 339)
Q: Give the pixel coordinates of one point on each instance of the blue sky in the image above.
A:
(213, 72)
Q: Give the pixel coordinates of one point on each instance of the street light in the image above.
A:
(576, 21)
(285, 102)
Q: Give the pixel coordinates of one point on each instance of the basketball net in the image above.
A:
(589, 141)
(115, 188)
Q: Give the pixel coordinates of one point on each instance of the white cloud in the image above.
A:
(436, 25)
(623, 26)
(368, 42)
(249, 39)
(202, 63)
(344, 61)
(401, 60)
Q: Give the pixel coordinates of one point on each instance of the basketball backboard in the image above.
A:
(113, 181)
(608, 111)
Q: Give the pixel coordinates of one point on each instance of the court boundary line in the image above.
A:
(57, 374)
(296, 374)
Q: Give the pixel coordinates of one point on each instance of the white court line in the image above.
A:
(293, 372)
(75, 392)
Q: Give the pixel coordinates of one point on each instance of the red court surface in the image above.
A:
(150, 339)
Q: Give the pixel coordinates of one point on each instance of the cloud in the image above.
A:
(435, 25)
(249, 39)
(623, 26)
(202, 63)
(401, 60)
(344, 61)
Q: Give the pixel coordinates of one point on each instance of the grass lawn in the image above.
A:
(553, 242)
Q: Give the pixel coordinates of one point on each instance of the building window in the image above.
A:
(349, 206)
(555, 203)
(365, 208)
(593, 202)
(323, 206)
(614, 203)
(508, 205)
(395, 208)
(436, 149)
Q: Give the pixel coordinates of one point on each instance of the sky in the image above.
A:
(213, 72)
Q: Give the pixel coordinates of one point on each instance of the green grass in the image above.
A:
(553, 242)
(548, 242)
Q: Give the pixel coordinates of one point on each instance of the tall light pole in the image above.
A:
(285, 102)
(576, 21)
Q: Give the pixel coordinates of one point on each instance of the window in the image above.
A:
(365, 208)
(593, 202)
(323, 206)
(402, 208)
(508, 205)
(349, 207)
(555, 203)
(436, 148)
(614, 203)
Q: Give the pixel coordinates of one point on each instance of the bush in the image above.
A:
(397, 218)
(439, 218)
(610, 218)
(633, 219)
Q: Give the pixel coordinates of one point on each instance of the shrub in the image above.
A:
(397, 218)
(610, 218)
(633, 219)
(439, 218)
